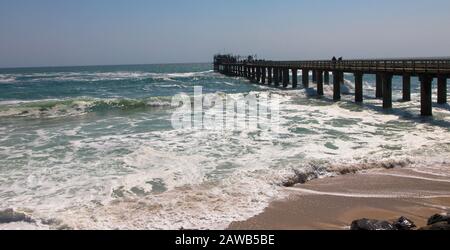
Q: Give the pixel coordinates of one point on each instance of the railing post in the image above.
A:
(425, 95)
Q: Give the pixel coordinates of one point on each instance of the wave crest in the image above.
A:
(78, 106)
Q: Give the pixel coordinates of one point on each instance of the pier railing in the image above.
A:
(396, 66)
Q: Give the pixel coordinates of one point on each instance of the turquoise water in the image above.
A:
(93, 147)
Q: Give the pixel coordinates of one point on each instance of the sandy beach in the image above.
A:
(333, 203)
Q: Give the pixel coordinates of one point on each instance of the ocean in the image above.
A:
(94, 147)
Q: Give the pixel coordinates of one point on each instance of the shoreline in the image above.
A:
(332, 203)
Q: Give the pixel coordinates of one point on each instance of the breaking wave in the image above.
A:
(77, 106)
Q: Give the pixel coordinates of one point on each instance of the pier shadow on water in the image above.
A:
(401, 113)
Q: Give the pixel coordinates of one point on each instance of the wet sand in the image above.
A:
(333, 203)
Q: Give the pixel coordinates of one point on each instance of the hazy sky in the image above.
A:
(93, 32)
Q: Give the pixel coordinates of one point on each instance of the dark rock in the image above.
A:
(367, 224)
(404, 223)
(300, 177)
(51, 221)
(64, 227)
(9, 215)
(443, 225)
(438, 218)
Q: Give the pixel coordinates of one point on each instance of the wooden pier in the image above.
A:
(277, 74)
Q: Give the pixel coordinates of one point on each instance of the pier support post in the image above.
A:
(358, 87)
(425, 95)
(253, 74)
(314, 76)
(269, 76)
(379, 86)
(387, 90)
(263, 75)
(406, 87)
(326, 77)
(294, 78)
(305, 78)
(319, 79)
(442, 89)
(280, 75)
(285, 78)
(336, 85)
(258, 74)
(276, 77)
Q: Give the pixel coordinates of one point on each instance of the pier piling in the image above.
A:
(263, 75)
(258, 74)
(358, 87)
(425, 95)
(336, 86)
(294, 78)
(378, 86)
(319, 79)
(269, 75)
(326, 77)
(285, 78)
(406, 87)
(276, 78)
(442, 89)
(387, 90)
(305, 78)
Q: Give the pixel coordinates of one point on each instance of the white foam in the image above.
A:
(87, 76)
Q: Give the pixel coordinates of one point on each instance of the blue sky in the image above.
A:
(94, 32)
